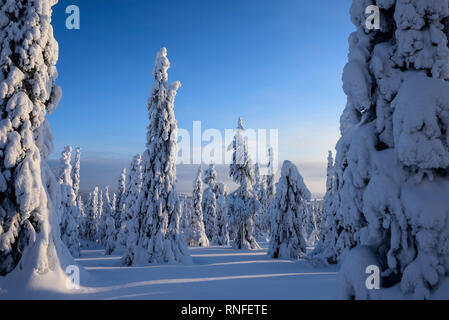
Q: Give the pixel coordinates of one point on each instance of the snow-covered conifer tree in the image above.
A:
(160, 240)
(393, 157)
(270, 191)
(70, 214)
(209, 211)
(82, 219)
(260, 191)
(221, 235)
(210, 201)
(309, 226)
(317, 208)
(210, 175)
(196, 235)
(106, 213)
(114, 203)
(120, 210)
(186, 213)
(29, 219)
(100, 226)
(129, 233)
(328, 249)
(76, 176)
(259, 184)
(288, 212)
(110, 236)
(242, 203)
(269, 180)
(91, 212)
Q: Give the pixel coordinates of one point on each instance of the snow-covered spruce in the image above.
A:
(76, 179)
(30, 244)
(186, 212)
(393, 157)
(101, 221)
(100, 226)
(114, 203)
(120, 208)
(317, 215)
(75, 174)
(196, 234)
(82, 217)
(221, 235)
(242, 203)
(128, 203)
(209, 209)
(111, 235)
(330, 246)
(210, 201)
(260, 191)
(287, 213)
(160, 240)
(129, 232)
(270, 191)
(91, 217)
(111, 225)
(70, 213)
(309, 226)
(107, 213)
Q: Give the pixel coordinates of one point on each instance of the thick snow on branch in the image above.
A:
(196, 234)
(389, 182)
(160, 239)
(242, 203)
(288, 213)
(30, 244)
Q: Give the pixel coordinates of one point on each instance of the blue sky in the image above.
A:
(277, 64)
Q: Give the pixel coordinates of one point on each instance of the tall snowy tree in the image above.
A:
(242, 203)
(187, 209)
(317, 208)
(329, 247)
(260, 191)
(288, 213)
(259, 184)
(91, 217)
(160, 240)
(107, 213)
(76, 178)
(209, 203)
(221, 235)
(70, 214)
(309, 227)
(114, 203)
(120, 209)
(393, 157)
(196, 235)
(100, 226)
(270, 190)
(75, 174)
(82, 219)
(29, 219)
(129, 233)
(110, 235)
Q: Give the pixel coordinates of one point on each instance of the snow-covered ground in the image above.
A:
(216, 273)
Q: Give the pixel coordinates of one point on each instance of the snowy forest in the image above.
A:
(381, 230)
